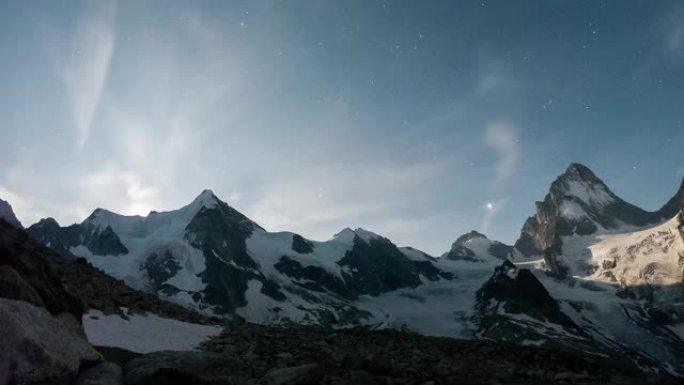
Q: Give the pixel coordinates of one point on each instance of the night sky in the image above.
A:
(419, 120)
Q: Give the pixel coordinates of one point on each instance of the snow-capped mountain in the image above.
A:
(209, 256)
(7, 214)
(580, 204)
(476, 247)
(590, 273)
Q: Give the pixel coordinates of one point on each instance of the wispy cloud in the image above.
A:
(501, 137)
(673, 32)
(120, 190)
(86, 65)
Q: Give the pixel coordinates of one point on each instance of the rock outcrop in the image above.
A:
(30, 274)
(37, 347)
(7, 214)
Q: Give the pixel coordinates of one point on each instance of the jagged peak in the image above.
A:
(46, 222)
(99, 213)
(579, 183)
(347, 234)
(7, 213)
(580, 173)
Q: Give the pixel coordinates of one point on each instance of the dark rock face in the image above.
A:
(221, 234)
(31, 274)
(578, 202)
(315, 278)
(501, 250)
(61, 239)
(159, 267)
(518, 291)
(301, 245)
(377, 267)
(7, 214)
(514, 307)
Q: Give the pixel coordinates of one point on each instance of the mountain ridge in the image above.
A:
(209, 257)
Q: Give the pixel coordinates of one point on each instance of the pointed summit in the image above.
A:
(7, 214)
(580, 172)
(461, 241)
(206, 198)
(578, 203)
(348, 234)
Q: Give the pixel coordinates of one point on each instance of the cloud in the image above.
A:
(501, 137)
(86, 66)
(23, 208)
(117, 190)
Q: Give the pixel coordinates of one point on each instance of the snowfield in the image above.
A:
(144, 333)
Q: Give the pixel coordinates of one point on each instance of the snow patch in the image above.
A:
(145, 333)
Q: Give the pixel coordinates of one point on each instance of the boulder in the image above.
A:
(189, 367)
(39, 348)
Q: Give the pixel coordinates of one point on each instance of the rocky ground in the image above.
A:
(97, 290)
(252, 354)
(363, 356)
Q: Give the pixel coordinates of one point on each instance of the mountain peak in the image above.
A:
(7, 214)
(460, 241)
(580, 172)
(207, 199)
(47, 223)
(347, 234)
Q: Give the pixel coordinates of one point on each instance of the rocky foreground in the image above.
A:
(253, 354)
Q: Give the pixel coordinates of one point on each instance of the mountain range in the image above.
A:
(590, 274)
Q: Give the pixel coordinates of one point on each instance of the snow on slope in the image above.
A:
(144, 333)
(267, 248)
(439, 308)
(649, 256)
(157, 233)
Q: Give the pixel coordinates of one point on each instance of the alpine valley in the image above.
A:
(591, 275)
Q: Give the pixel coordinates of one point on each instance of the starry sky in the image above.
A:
(419, 120)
